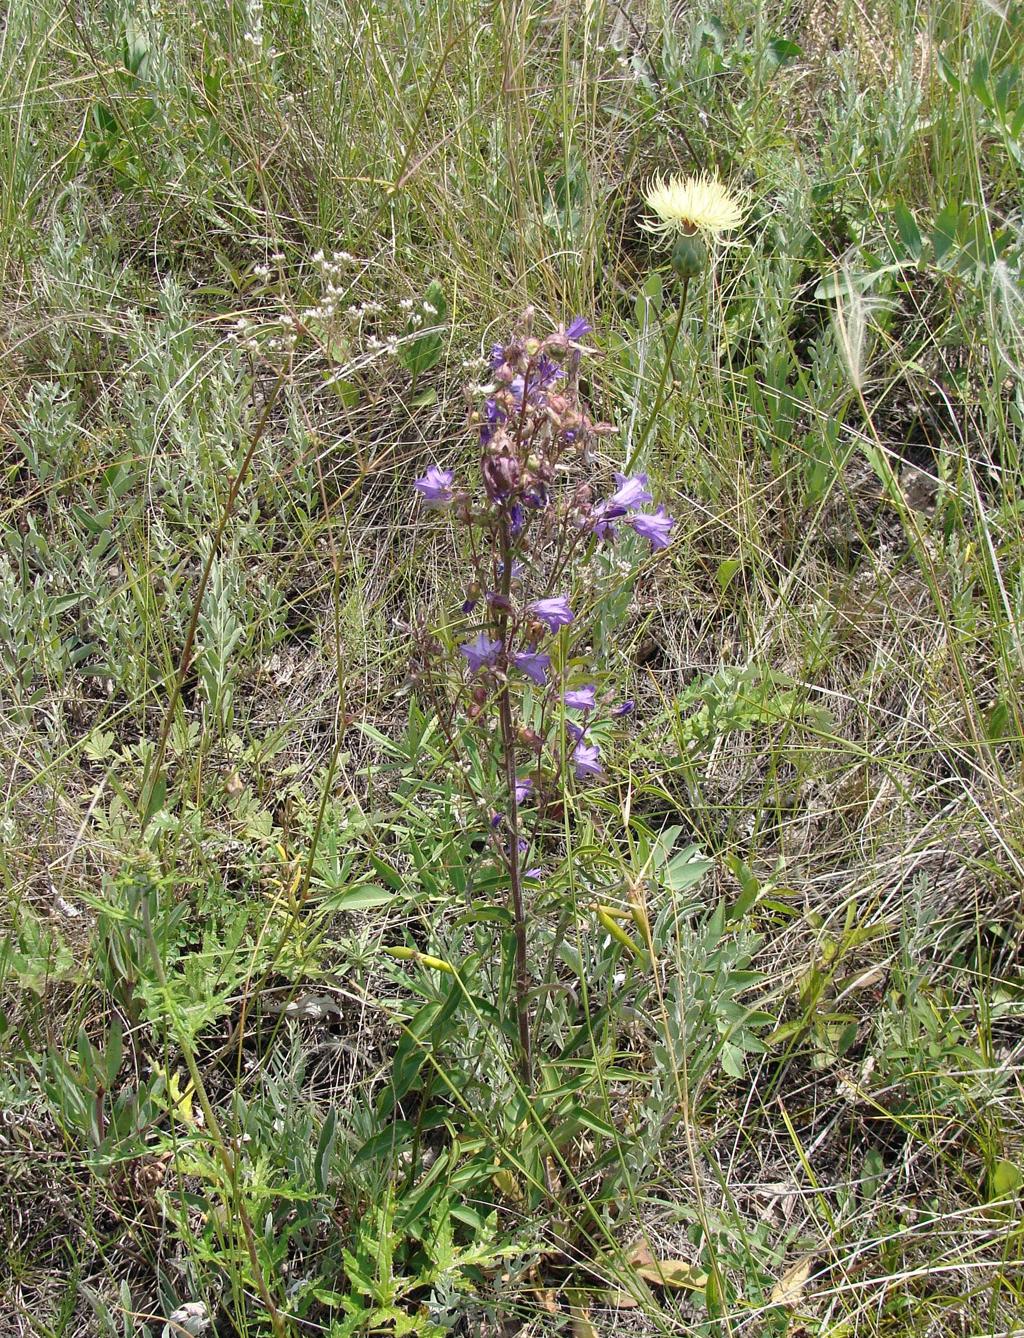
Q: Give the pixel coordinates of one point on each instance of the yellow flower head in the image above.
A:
(691, 204)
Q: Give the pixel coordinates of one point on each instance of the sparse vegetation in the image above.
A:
(261, 1056)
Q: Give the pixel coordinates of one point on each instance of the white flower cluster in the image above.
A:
(339, 273)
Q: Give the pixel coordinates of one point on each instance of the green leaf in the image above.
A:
(944, 230)
(909, 233)
(1005, 1181)
(648, 302)
(386, 1141)
(346, 391)
(727, 569)
(418, 353)
(782, 50)
(686, 869)
(324, 1149)
(363, 898)
(115, 1049)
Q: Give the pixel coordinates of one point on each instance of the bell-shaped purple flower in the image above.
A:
(581, 699)
(435, 487)
(481, 652)
(601, 521)
(493, 417)
(578, 327)
(631, 493)
(533, 664)
(545, 374)
(554, 612)
(524, 786)
(623, 708)
(586, 759)
(656, 527)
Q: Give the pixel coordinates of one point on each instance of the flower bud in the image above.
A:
(689, 256)
(501, 474)
(479, 694)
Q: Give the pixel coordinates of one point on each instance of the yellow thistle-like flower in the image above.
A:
(688, 205)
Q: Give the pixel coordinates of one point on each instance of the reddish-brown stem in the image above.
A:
(508, 748)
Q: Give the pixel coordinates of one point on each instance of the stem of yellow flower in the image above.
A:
(660, 396)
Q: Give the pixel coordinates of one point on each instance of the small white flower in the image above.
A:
(192, 1318)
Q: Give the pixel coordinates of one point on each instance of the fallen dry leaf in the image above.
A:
(546, 1299)
(789, 1288)
(673, 1273)
(639, 1253)
(581, 1325)
(616, 1299)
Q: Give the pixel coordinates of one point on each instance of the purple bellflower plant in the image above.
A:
(530, 527)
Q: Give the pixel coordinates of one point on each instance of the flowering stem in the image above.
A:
(659, 398)
(508, 747)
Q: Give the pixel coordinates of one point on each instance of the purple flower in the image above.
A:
(533, 873)
(497, 356)
(624, 708)
(601, 521)
(554, 612)
(656, 527)
(533, 664)
(581, 699)
(524, 785)
(632, 492)
(574, 731)
(480, 652)
(546, 373)
(587, 759)
(492, 417)
(578, 327)
(515, 514)
(435, 487)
